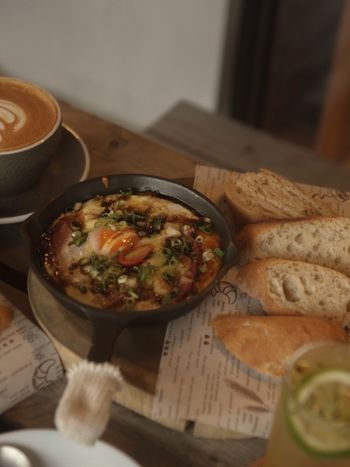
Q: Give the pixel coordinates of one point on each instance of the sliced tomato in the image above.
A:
(134, 256)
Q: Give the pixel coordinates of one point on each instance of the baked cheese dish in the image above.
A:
(131, 251)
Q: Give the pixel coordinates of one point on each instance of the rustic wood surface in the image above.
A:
(229, 144)
(195, 136)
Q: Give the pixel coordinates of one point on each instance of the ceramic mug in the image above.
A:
(30, 131)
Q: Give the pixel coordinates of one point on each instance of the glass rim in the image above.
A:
(290, 387)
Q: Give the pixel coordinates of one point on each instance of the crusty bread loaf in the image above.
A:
(267, 343)
(295, 287)
(264, 195)
(320, 240)
(5, 317)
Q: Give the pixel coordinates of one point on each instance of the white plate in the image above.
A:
(49, 448)
(70, 164)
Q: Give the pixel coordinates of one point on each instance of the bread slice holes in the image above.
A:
(292, 289)
(299, 238)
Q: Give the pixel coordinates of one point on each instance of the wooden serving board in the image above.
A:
(137, 352)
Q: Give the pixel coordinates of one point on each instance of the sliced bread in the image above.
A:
(320, 240)
(286, 287)
(266, 343)
(264, 195)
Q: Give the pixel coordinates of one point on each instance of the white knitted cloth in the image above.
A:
(83, 411)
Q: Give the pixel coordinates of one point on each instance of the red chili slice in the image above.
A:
(134, 256)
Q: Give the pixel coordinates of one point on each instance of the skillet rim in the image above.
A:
(87, 311)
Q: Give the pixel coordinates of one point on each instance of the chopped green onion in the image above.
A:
(208, 255)
(219, 252)
(169, 277)
(99, 263)
(206, 228)
(78, 238)
(74, 226)
(122, 279)
(126, 191)
(146, 272)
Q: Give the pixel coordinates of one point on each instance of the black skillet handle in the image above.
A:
(104, 336)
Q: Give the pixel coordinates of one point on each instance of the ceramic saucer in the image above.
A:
(71, 164)
(49, 448)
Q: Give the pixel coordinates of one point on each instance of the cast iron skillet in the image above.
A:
(108, 324)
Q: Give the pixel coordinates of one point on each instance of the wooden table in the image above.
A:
(170, 148)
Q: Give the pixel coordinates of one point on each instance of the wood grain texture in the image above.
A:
(115, 149)
(226, 143)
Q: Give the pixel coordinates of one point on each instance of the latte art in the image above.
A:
(12, 116)
(27, 114)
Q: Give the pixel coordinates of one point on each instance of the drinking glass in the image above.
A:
(311, 427)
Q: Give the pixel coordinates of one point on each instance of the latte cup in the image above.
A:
(30, 132)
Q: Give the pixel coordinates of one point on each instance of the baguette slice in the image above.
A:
(5, 317)
(264, 195)
(266, 343)
(287, 287)
(320, 240)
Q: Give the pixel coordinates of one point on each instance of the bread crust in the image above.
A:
(265, 195)
(6, 316)
(317, 240)
(266, 343)
(288, 287)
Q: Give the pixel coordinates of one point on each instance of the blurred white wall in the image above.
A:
(125, 60)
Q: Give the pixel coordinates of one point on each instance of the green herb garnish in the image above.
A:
(219, 252)
(99, 263)
(169, 277)
(126, 191)
(78, 238)
(157, 223)
(206, 227)
(145, 272)
(169, 297)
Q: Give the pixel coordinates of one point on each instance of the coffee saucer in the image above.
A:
(71, 164)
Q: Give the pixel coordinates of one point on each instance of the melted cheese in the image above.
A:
(131, 252)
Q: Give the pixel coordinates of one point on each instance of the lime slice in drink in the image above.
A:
(319, 415)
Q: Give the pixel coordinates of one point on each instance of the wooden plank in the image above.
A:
(115, 149)
(333, 138)
(217, 140)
